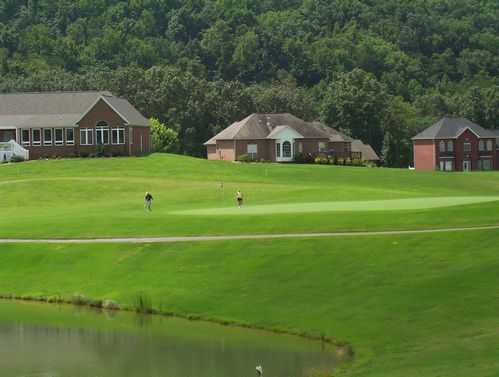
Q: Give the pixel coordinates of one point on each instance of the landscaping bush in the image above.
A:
(321, 160)
(357, 162)
(245, 158)
(304, 158)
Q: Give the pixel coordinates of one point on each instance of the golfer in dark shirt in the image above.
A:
(148, 201)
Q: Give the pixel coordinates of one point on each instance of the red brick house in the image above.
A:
(66, 124)
(281, 137)
(455, 144)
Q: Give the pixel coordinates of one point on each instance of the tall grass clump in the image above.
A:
(142, 303)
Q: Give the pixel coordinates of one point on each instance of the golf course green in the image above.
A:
(345, 206)
(408, 304)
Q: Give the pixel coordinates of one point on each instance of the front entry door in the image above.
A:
(466, 165)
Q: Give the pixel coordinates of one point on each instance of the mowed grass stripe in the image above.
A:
(344, 206)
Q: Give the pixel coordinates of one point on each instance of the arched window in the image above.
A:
(450, 146)
(442, 146)
(286, 149)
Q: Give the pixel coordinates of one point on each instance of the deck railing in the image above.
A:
(11, 149)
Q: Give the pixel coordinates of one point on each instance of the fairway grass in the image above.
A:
(92, 198)
(344, 206)
(410, 305)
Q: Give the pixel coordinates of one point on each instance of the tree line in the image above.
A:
(380, 70)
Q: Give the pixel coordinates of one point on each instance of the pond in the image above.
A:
(42, 340)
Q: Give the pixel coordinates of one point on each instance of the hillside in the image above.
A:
(408, 305)
(199, 65)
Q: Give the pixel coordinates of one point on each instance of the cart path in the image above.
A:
(139, 240)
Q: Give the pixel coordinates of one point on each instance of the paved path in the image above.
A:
(244, 237)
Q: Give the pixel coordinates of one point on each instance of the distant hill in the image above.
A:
(199, 65)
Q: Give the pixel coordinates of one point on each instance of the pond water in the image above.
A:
(41, 340)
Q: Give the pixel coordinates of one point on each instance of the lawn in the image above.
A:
(411, 305)
(104, 197)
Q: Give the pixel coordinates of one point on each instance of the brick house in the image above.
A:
(67, 124)
(281, 137)
(455, 144)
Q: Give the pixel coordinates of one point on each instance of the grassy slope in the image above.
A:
(104, 197)
(410, 305)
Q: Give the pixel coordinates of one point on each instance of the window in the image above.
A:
(286, 149)
(118, 135)
(25, 137)
(36, 136)
(59, 136)
(481, 145)
(300, 147)
(450, 146)
(322, 146)
(101, 135)
(70, 136)
(86, 136)
(278, 149)
(446, 165)
(47, 136)
(467, 147)
(442, 146)
(489, 145)
(252, 150)
(485, 164)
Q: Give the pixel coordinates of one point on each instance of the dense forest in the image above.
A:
(378, 69)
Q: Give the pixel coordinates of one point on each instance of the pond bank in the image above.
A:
(342, 350)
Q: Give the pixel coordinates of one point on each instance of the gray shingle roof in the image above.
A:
(368, 154)
(59, 109)
(451, 128)
(127, 111)
(260, 126)
(334, 135)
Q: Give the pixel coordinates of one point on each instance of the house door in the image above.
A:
(466, 165)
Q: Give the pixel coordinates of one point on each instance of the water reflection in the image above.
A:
(42, 340)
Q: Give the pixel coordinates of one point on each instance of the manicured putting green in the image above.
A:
(344, 206)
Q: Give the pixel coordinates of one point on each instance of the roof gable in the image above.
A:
(452, 128)
(284, 132)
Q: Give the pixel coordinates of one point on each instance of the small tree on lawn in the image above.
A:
(164, 139)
